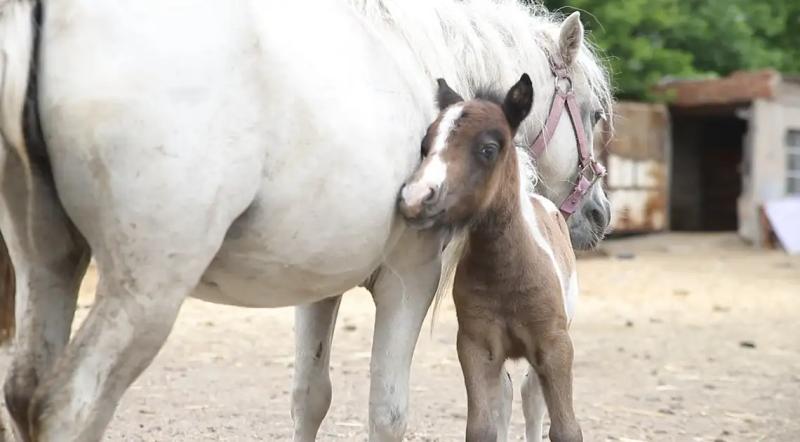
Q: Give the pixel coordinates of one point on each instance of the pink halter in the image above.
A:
(589, 170)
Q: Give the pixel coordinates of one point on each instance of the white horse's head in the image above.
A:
(559, 163)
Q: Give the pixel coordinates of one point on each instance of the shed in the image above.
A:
(637, 158)
(735, 145)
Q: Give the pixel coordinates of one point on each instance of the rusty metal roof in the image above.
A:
(739, 87)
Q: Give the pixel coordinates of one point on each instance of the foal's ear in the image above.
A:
(570, 38)
(518, 101)
(446, 96)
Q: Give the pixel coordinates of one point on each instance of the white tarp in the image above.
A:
(784, 216)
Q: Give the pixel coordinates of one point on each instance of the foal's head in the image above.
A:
(469, 157)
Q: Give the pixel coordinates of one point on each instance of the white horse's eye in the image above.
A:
(597, 116)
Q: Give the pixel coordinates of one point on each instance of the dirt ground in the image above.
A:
(678, 337)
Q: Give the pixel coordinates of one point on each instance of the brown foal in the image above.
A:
(515, 279)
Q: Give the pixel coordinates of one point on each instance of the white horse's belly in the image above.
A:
(280, 252)
(261, 280)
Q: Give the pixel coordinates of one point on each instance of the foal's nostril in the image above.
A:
(432, 196)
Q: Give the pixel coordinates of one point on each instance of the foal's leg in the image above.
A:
(403, 291)
(533, 406)
(482, 377)
(553, 363)
(311, 393)
(48, 274)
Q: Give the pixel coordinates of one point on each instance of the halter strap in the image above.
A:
(564, 98)
(550, 125)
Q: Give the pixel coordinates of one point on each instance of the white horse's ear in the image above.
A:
(445, 96)
(570, 38)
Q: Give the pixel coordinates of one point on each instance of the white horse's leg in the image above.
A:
(124, 331)
(311, 392)
(403, 291)
(533, 406)
(140, 291)
(554, 369)
(152, 242)
(48, 275)
(504, 405)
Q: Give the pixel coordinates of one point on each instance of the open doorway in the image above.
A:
(706, 176)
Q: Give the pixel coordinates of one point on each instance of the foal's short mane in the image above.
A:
(489, 93)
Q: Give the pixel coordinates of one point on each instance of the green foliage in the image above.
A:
(648, 40)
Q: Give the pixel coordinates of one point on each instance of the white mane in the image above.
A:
(473, 43)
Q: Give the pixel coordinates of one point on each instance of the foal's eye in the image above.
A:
(423, 147)
(489, 151)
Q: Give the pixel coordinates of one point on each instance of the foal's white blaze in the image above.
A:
(435, 171)
(446, 126)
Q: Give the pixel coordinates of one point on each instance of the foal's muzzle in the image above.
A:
(419, 204)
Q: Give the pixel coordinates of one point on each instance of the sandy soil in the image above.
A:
(678, 338)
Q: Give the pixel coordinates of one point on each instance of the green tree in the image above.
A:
(648, 40)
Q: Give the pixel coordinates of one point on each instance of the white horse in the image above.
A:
(248, 153)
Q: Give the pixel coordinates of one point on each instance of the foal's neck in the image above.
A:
(496, 230)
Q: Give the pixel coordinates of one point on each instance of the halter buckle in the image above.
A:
(596, 171)
(563, 84)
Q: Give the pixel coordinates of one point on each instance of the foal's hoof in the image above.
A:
(570, 435)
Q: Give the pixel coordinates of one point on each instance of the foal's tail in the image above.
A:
(450, 257)
(17, 34)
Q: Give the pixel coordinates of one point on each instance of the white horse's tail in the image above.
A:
(16, 49)
(450, 257)
(17, 34)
